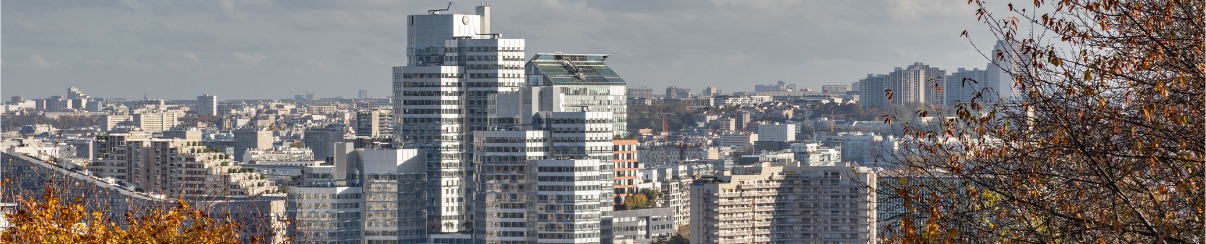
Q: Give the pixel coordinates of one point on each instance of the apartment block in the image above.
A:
(785, 202)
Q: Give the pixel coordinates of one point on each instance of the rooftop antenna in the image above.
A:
(437, 11)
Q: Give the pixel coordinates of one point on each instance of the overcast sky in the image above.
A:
(274, 49)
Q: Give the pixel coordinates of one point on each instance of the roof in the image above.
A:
(570, 69)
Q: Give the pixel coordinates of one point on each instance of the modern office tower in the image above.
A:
(777, 132)
(501, 200)
(454, 63)
(367, 196)
(207, 105)
(322, 142)
(711, 91)
(785, 202)
(567, 206)
(395, 195)
(677, 93)
(363, 94)
(835, 89)
(508, 158)
(374, 123)
(626, 164)
(580, 83)
(640, 93)
(916, 83)
(962, 85)
(325, 214)
(16, 99)
(251, 139)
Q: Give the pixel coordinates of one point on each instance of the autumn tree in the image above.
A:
(53, 220)
(1102, 140)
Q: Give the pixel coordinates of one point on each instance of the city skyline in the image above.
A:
(276, 51)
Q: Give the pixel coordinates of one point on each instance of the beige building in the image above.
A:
(785, 202)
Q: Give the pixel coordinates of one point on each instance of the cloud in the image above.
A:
(252, 59)
(192, 56)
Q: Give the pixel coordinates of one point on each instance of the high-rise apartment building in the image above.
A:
(916, 83)
(207, 105)
(711, 91)
(785, 202)
(962, 85)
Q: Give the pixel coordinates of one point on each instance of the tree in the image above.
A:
(55, 221)
(1103, 140)
(637, 201)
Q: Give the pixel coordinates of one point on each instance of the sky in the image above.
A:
(274, 49)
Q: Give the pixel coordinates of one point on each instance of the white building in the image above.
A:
(454, 63)
(369, 196)
(785, 202)
(777, 132)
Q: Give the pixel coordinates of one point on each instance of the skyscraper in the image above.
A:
(207, 105)
(454, 63)
(364, 94)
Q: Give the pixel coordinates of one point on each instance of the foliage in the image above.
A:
(679, 116)
(637, 201)
(1103, 141)
(645, 198)
(676, 239)
(55, 221)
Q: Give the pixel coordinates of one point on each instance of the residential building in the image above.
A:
(374, 123)
(626, 162)
(674, 92)
(785, 202)
(835, 89)
(777, 132)
(634, 93)
(962, 86)
(918, 83)
(711, 91)
(207, 105)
